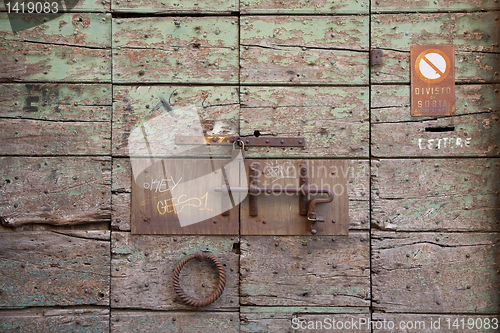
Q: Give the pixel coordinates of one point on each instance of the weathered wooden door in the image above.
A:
(422, 203)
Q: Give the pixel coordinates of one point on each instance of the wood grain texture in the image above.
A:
(55, 320)
(433, 5)
(358, 191)
(68, 48)
(436, 195)
(177, 50)
(473, 131)
(304, 7)
(49, 269)
(435, 272)
(476, 44)
(56, 102)
(177, 7)
(305, 271)
(217, 109)
(292, 319)
(428, 322)
(333, 120)
(57, 191)
(75, 6)
(142, 268)
(175, 322)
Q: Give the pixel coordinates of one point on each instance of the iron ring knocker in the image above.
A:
(191, 301)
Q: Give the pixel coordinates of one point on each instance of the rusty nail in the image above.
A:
(215, 222)
(282, 141)
(267, 141)
(300, 142)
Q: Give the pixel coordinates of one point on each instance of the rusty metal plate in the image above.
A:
(246, 141)
(178, 196)
(282, 212)
(432, 80)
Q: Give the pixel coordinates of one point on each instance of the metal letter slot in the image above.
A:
(304, 191)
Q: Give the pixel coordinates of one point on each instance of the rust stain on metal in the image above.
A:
(432, 80)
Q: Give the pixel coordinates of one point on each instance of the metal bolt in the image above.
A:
(333, 35)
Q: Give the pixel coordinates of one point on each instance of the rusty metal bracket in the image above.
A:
(250, 141)
(188, 300)
(376, 56)
(305, 208)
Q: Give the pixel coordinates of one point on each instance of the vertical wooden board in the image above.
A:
(142, 268)
(455, 195)
(476, 43)
(56, 191)
(56, 102)
(327, 32)
(434, 322)
(176, 7)
(179, 50)
(72, 6)
(437, 194)
(57, 320)
(435, 272)
(333, 120)
(305, 271)
(433, 5)
(217, 106)
(76, 29)
(121, 194)
(39, 137)
(283, 175)
(285, 319)
(358, 192)
(304, 7)
(391, 103)
(175, 322)
(50, 269)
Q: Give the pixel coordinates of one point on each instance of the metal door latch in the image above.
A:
(305, 208)
(250, 141)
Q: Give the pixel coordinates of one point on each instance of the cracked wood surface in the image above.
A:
(433, 5)
(294, 7)
(74, 6)
(217, 108)
(50, 269)
(473, 131)
(176, 7)
(430, 272)
(333, 120)
(436, 195)
(475, 36)
(56, 191)
(305, 271)
(67, 48)
(142, 268)
(175, 322)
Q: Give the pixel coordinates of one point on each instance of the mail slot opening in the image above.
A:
(440, 129)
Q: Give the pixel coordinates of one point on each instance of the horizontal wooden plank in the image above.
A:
(305, 271)
(427, 322)
(40, 137)
(333, 120)
(296, 65)
(463, 135)
(49, 269)
(56, 320)
(24, 61)
(437, 194)
(435, 272)
(476, 44)
(283, 319)
(358, 183)
(433, 5)
(176, 7)
(57, 191)
(217, 109)
(142, 268)
(71, 6)
(391, 103)
(56, 102)
(165, 33)
(175, 322)
(304, 7)
(84, 29)
(327, 32)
